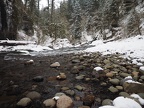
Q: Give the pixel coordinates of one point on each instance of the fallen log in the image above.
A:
(15, 43)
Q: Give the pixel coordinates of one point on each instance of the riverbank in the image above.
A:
(18, 77)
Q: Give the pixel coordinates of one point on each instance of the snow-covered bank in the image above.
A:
(130, 48)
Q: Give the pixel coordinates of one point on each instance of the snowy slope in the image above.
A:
(131, 48)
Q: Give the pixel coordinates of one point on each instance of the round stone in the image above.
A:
(114, 81)
(33, 95)
(24, 102)
(107, 102)
(49, 103)
(113, 89)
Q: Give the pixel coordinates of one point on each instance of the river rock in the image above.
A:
(113, 89)
(78, 87)
(107, 102)
(59, 94)
(142, 77)
(38, 78)
(124, 74)
(24, 102)
(119, 88)
(61, 76)
(70, 92)
(64, 102)
(110, 74)
(141, 95)
(50, 103)
(33, 95)
(133, 87)
(124, 94)
(80, 77)
(141, 70)
(55, 65)
(114, 81)
(65, 88)
(88, 99)
(76, 61)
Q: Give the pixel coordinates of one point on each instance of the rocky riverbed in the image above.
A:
(87, 80)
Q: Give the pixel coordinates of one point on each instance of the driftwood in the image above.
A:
(14, 43)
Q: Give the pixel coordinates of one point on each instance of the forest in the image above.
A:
(70, 19)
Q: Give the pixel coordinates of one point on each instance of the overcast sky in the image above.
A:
(44, 3)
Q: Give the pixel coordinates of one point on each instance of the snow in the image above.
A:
(142, 68)
(121, 102)
(98, 68)
(130, 48)
(139, 98)
(129, 79)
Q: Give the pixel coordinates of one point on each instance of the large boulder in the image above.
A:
(64, 102)
(133, 87)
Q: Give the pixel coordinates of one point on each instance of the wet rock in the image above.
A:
(107, 102)
(75, 70)
(65, 88)
(76, 61)
(61, 76)
(141, 70)
(50, 103)
(119, 88)
(133, 87)
(33, 95)
(114, 81)
(59, 94)
(70, 92)
(29, 62)
(78, 87)
(80, 77)
(64, 102)
(24, 102)
(124, 74)
(141, 95)
(55, 65)
(88, 99)
(142, 77)
(110, 74)
(113, 89)
(124, 94)
(38, 79)
(103, 84)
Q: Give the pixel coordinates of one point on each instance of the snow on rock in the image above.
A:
(142, 68)
(131, 47)
(98, 68)
(121, 102)
(139, 98)
(61, 43)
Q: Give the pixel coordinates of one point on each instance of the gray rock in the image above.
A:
(59, 94)
(70, 92)
(80, 77)
(114, 81)
(76, 61)
(38, 78)
(141, 95)
(107, 102)
(113, 89)
(124, 94)
(124, 74)
(33, 95)
(49, 103)
(24, 102)
(142, 77)
(119, 87)
(54, 65)
(142, 70)
(78, 87)
(64, 88)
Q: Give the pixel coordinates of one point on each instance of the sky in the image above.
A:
(44, 3)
